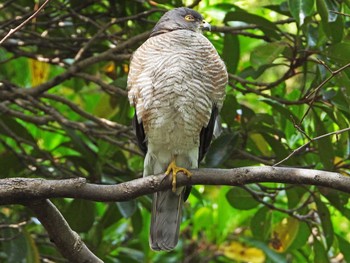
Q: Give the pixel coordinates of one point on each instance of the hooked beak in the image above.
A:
(205, 25)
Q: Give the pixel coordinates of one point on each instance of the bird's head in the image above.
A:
(180, 18)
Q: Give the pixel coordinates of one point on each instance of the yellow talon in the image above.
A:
(173, 167)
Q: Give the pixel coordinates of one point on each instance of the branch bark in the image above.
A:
(67, 241)
(18, 190)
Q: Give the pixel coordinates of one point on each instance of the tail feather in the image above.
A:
(166, 219)
(166, 205)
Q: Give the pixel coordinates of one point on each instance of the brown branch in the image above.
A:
(12, 31)
(42, 120)
(110, 89)
(103, 122)
(339, 13)
(18, 190)
(67, 241)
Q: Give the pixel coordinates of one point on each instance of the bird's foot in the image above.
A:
(175, 169)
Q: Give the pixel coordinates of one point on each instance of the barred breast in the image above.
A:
(174, 81)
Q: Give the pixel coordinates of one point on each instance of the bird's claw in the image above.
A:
(175, 169)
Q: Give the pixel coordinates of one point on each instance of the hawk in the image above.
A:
(177, 85)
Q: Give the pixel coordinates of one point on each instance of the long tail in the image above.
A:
(166, 207)
(166, 219)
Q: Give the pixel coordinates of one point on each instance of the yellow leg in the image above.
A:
(173, 167)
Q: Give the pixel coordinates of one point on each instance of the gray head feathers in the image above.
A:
(180, 18)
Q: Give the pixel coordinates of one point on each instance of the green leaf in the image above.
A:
(266, 54)
(127, 208)
(271, 254)
(202, 220)
(80, 215)
(255, 73)
(284, 111)
(301, 255)
(260, 143)
(343, 80)
(332, 23)
(326, 222)
(336, 30)
(78, 144)
(342, 100)
(301, 238)
(224, 214)
(221, 149)
(320, 254)
(15, 248)
(281, 8)
(231, 52)
(284, 233)
(241, 199)
(276, 145)
(105, 108)
(137, 222)
(338, 200)
(300, 9)
(260, 224)
(32, 249)
(323, 11)
(16, 128)
(229, 110)
(131, 255)
(325, 146)
(295, 196)
(344, 247)
(312, 34)
(10, 165)
(269, 28)
(110, 216)
(95, 235)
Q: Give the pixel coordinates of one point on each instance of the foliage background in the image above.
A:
(64, 113)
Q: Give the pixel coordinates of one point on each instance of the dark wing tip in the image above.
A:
(140, 134)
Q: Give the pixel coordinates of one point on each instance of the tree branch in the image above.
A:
(18, 190)
(12, 31)
(67, 241)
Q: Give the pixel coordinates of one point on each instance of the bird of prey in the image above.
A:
(177, 85)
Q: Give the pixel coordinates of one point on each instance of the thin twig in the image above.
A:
(12, 31)
(309, 142)
(296, 126)
(339, 13)
(291, 212)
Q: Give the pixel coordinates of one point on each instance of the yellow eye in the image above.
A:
(189, 18)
